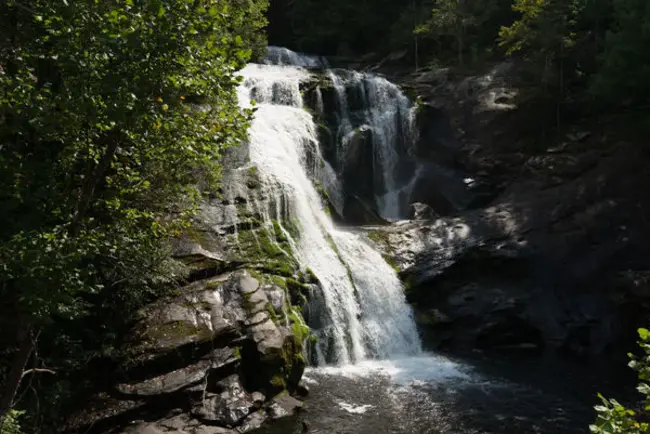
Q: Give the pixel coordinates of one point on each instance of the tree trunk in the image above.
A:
(561, 98)
(417, 63)
(90, 184)
(27, 346)
(29, 336)
(415, 36)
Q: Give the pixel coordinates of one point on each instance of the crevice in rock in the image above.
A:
(210, 272)
(181, 356)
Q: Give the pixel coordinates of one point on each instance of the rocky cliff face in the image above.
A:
(544, 245)
(225, 354)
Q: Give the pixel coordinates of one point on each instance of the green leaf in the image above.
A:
(161, 11)
(643, 388)
(644, 334)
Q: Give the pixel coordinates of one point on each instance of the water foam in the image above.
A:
(427, 368)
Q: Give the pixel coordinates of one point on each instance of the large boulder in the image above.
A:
(179, 424)
(206, 311)
(358, 168)
(437, 139)
(229, 407)
(422, 211)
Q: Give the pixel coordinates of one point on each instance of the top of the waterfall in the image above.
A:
(284, 56)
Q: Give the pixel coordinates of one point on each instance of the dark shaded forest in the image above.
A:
(588, 56)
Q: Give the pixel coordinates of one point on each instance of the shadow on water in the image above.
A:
(471, 394)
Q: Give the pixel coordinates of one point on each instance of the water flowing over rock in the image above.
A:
(528, 247)
(359, 290)
(272, 283)
(276, 276)
(367, 127)
(284, 56)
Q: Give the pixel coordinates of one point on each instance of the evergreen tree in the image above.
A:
(455, 18)
(544, 35)
(625, 64)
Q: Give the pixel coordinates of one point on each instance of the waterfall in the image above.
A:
(372, 102)
(284, 56)
(367, 315)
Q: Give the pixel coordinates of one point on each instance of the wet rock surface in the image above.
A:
(554, 267)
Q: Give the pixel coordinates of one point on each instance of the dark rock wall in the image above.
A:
(545, 247)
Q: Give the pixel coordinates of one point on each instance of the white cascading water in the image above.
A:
(345, 130)
(362, 293)
(389, 115)
(390, 118)
(387, 324)
(284, 56)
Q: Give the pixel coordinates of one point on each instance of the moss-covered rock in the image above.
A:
(270, 348)
(238, 312)
(241, 323)
(201, 313)
(268, 249)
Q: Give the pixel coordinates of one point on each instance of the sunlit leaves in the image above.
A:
(454, 18)
(612, 416)
(11, 423)
(544, 25)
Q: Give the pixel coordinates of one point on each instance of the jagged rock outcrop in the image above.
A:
(509, 246)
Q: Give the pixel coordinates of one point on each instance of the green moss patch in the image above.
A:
(271, 311)
(270, 249)
(379, 237)
(180, 331)
(392, 262)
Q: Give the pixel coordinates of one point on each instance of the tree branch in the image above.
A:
(87, 193)
(25, 8)
(38, 370)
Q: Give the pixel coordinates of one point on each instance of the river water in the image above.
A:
(472, 394)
